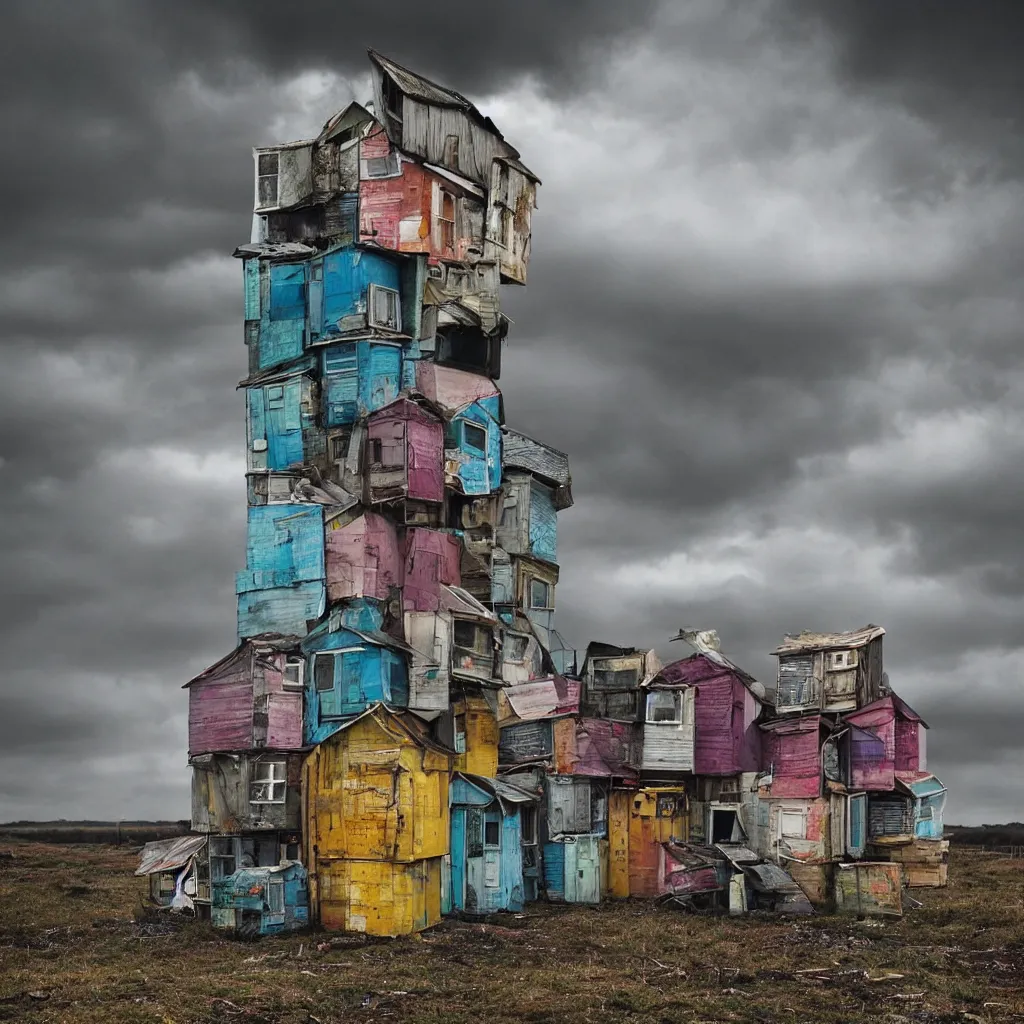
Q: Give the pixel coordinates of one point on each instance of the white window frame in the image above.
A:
(680, 708)
(276, 176)
(467, 425)
(371, 308)
(792, 812)
(550, 595)
(293, 661)
(270, 774)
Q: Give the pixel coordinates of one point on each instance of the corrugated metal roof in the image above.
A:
(797, 643)
(168, 854)
(522, 452)
(421, 88)
(275, 251)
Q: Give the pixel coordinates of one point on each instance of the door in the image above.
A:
(857, 824)
(618, 841)
(284, 424)
(475, 893)
(458, 859)
(492, 861)
(582, 870)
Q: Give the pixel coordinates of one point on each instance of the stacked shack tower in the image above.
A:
(401, 550)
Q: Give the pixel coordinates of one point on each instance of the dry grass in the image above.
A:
(74, 947)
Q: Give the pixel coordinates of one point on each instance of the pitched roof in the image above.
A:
(797, 643)
(262, 643)
(398, 720)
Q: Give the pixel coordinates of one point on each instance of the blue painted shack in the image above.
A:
(350, 669)
(275, 302)
(354, 291)
(281, 421)
(261, 901)
(487, 818)
(282, 588)
(473, 447)
(359, 377)
(929, 801)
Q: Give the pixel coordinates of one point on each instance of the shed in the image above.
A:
(869, 889)
(349, 670)
(261, 901)
(668, 727)
(246, 792)
(887, 737)
(377, 824)
(727, 705)
(431, 560)
(404, 453)
(612, 677)
(793, 754)
(830, 671)
(249, 700)
(529, 521)
(487, 844)
(282, 432)
(640, 822)
(363, 558)
(282, 588)
(596, 747)
(171, 867)
(472, 447)
(359, 377)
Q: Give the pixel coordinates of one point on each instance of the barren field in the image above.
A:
(75, 945)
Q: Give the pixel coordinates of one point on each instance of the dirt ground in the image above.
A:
(76, 946)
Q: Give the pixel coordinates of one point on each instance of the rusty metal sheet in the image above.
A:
(168, 854)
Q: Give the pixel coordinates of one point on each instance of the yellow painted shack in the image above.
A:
(375, 805)
(476, 736)
(639, 821)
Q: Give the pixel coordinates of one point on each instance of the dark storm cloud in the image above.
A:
(773, 316)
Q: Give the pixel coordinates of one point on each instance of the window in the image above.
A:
(616, 679)
(540, 594)
(385, 308)
(381, 166)
(392, 97)
(268, 785)
(275, 397)
(668, 805)
(460, 734)
(474, 436)
(470, 636)
(492, 833)
(275, 897)
(528, 818)
(793, 823)
(446, 222)
(665, 706)
(323, 672)
(515, 647)
(222, 857)
(838, 659)
(294, 672)
(267, 174)
(339, 446)
(376, 451)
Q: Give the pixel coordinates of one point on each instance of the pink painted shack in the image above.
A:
(597, 747)
(431, 561)
(792, 752)
(250, 700)
(887, 742)
(452, 390)
(727, 704)
(405, 453)
(363, 558)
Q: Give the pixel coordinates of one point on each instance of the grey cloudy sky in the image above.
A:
(774, 315)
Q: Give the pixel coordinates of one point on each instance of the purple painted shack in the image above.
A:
(363, 558)
(431, 560)
(405, 453)
(727, 704)
(249, 700)
(792, 750)
(597, 747)
(887, 741)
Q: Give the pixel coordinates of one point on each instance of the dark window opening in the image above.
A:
(267, 178)
(323, 671)
(392, 97)
(465, 348)
(474, 437)
(616, 679)
(492, 833)
(376, 451)
(528, 818)
(540, 594)
(723, 825)
(446, 221)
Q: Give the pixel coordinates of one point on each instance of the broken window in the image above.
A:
(385, 308)
(381, 166)
(339, 445)
(528, 818)
(268, 785)
(516, 647)
(474, 437)
(446, 221)
(376, 451)
(472, 637)
(540, 594)
(665, 706)
(460, 734)
(669, 805)
(267, 179)
(392, 97)
(294, 672)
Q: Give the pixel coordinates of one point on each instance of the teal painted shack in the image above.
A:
(572, 869)
(359, 377)
(356, 290)
(275, 305)
(261, 901)
(473, 447)
(350, 670)
(929, 802)
(281, 421)
(487, 817)
(282, 588)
